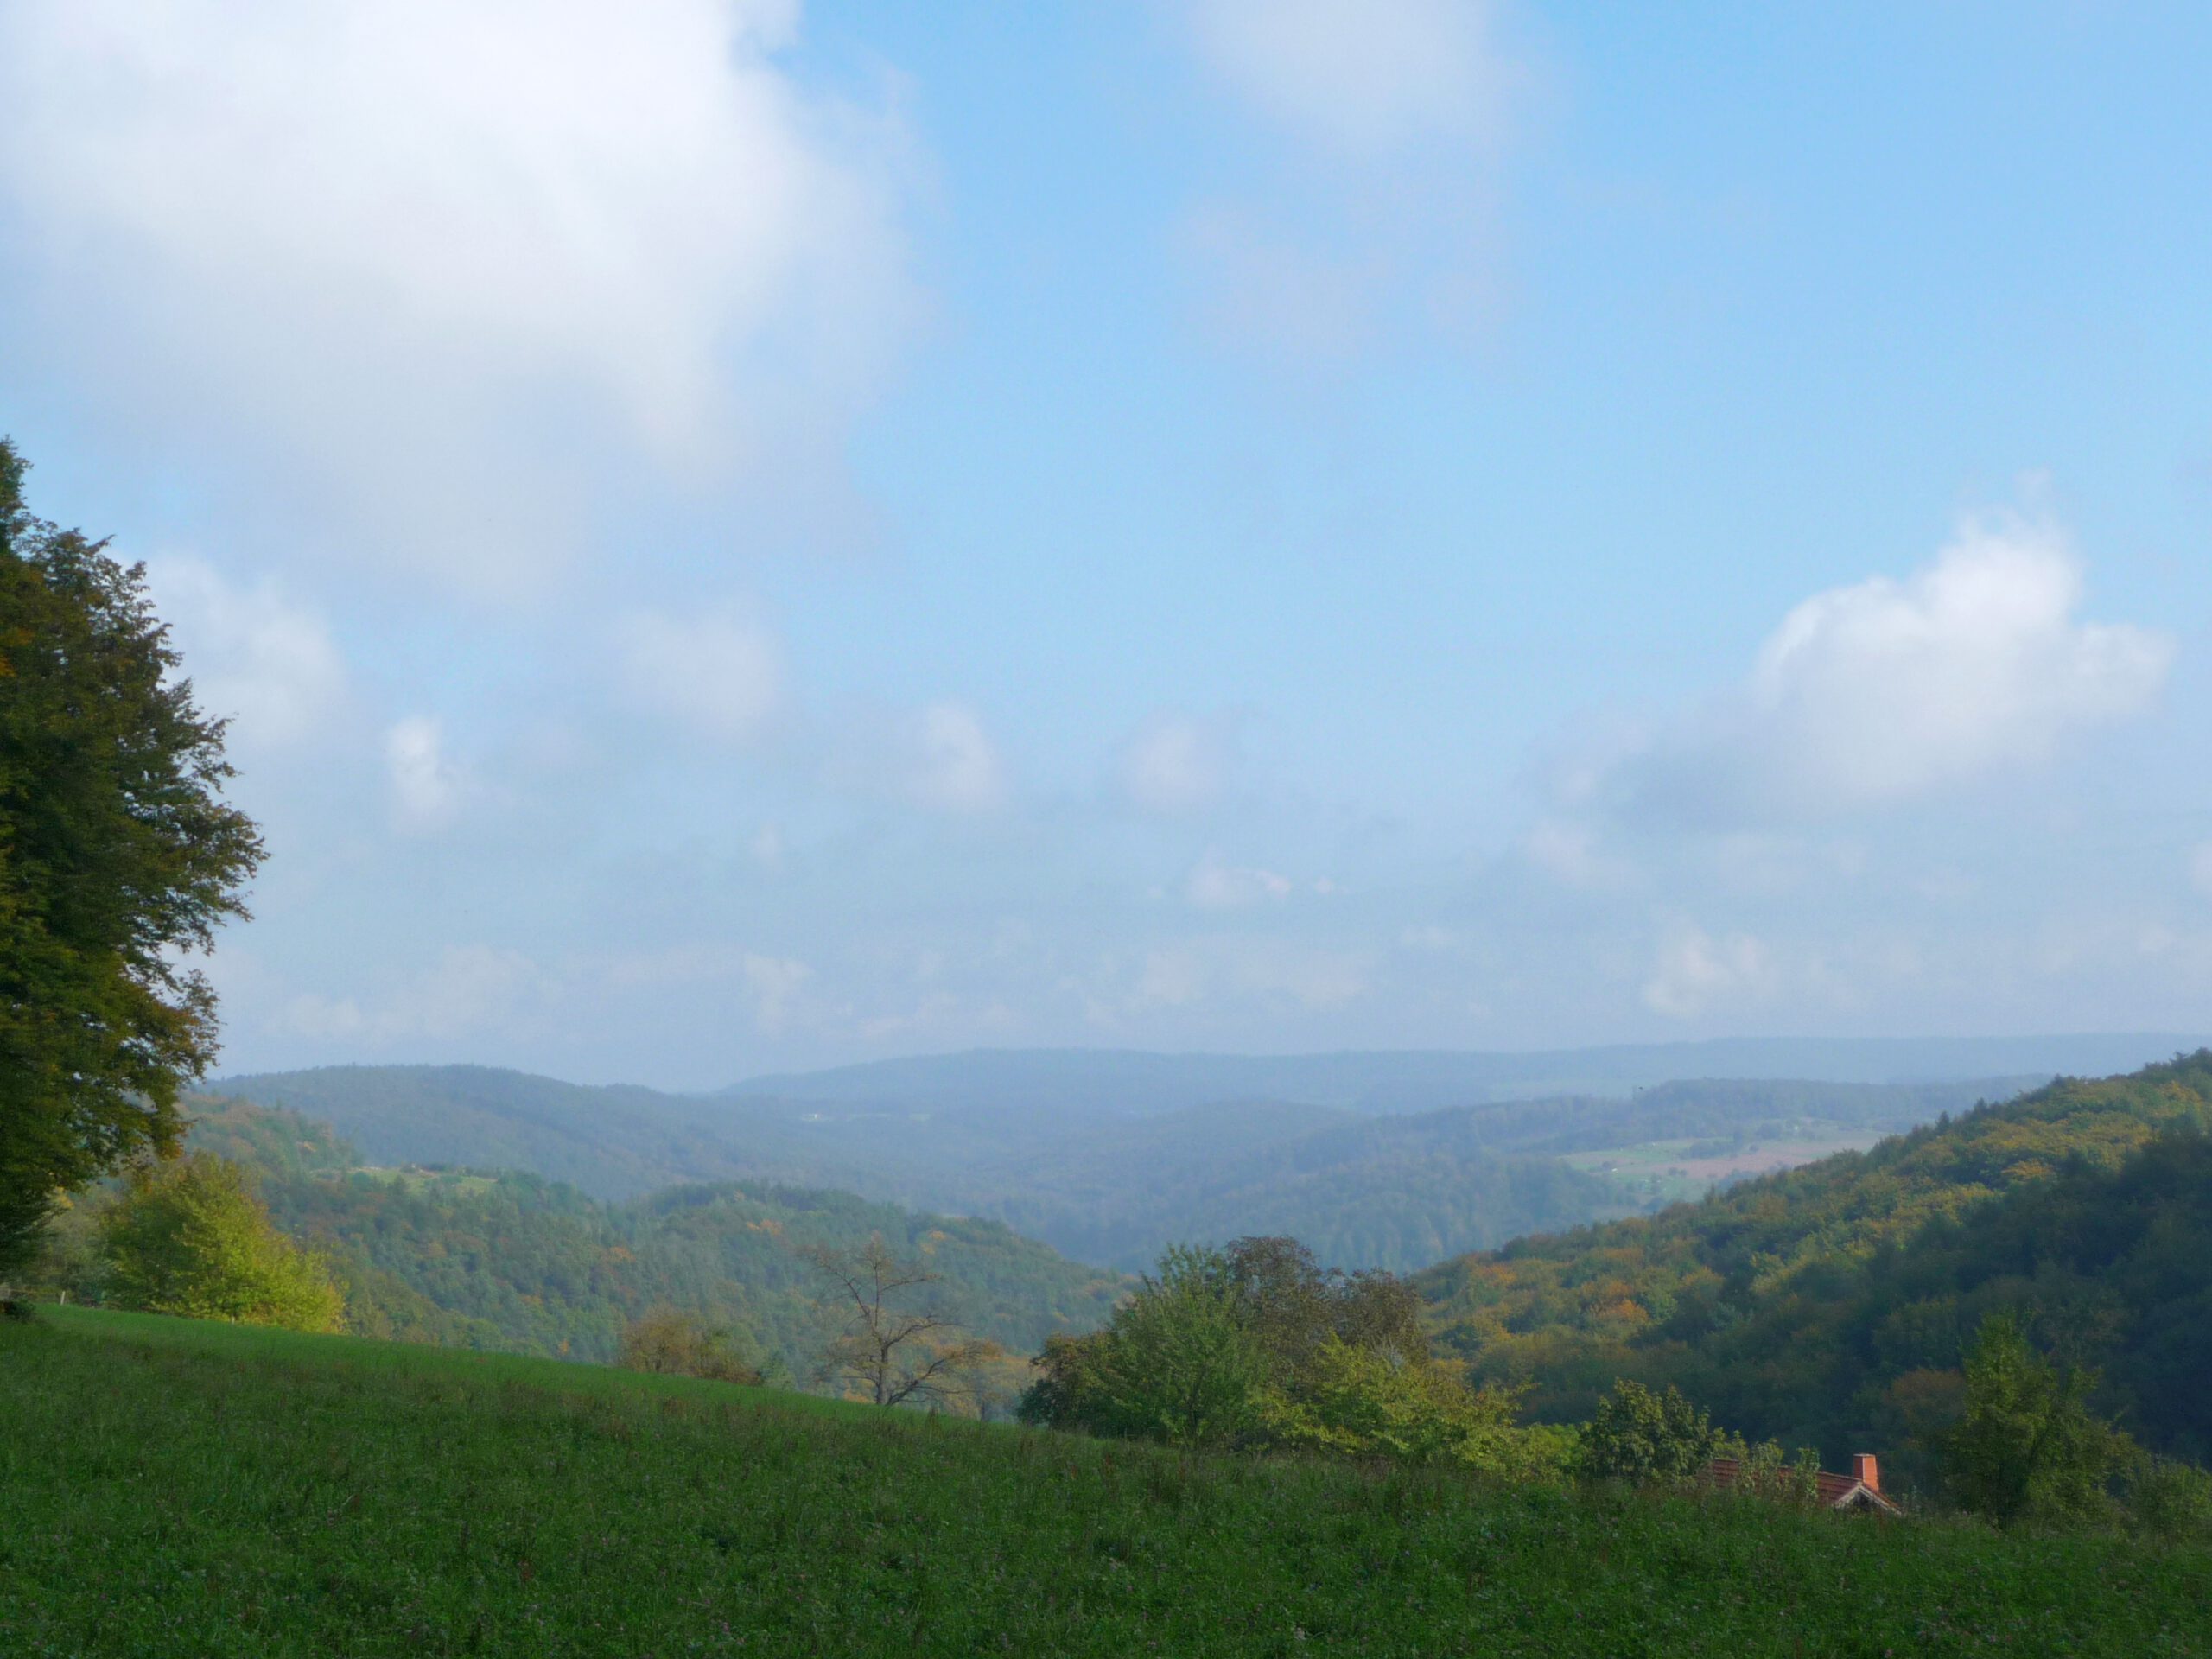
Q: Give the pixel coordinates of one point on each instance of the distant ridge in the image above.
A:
(1137, 1081)
(1396, 1160)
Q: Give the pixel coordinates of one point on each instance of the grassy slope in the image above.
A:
(174, 1488)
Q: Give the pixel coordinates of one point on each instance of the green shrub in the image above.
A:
(191, 1237)
(1177, 1362)
(1637, 1435)
(2171, 1500)
(2028, 1447)
(1761, 1470)
(1369, 1403)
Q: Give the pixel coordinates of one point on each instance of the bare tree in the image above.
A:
(894, 1353)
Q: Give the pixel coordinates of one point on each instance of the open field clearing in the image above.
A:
(169, 1487)
(1673, 1172)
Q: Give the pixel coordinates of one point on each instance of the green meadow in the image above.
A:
(169, 1487)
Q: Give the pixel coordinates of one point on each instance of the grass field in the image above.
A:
(1675, 1172)
(174, 1488)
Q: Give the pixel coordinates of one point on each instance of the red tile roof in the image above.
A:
(1834, 1491)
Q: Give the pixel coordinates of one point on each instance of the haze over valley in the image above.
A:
(1185, 828)
(1109, 1157)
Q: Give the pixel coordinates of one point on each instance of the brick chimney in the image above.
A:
(1866, 1471)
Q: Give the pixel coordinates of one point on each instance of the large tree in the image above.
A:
(892, 1351)
(118, 858)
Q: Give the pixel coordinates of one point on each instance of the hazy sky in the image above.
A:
(739, 534)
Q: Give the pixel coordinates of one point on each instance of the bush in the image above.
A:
(2171, 1500)
(1637, 1435)
(1369, 1402)
(2028, 1447)
(1178, 1362)
(1763, 1472)
(71, 1264)
(1186, 1359)
(1257, 1345)
(677, 1344)
(191, 1237)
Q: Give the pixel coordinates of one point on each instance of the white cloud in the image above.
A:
(1364, 80)
(1317, 980)
(252, 654)
(2200, 869)
(1694, 972)
(1381, 226)
(1177, 762)
(1200, 971)
(720, 673)
(406, 243)
(952, 764)
(471, 991)
(1171, 979)
(1888, 690)
(772, 984)
(426, 786)
(1214, 885)
(1268, 291)
(1570, 854)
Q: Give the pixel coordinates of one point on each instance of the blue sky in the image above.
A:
(739, 534)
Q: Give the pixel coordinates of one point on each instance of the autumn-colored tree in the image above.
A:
(676, 1343)
(118, 857)
(898, 1344)
(190, 1237)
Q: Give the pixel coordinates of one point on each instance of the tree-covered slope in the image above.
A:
(612, 1142)
(514, 1262)
(1397, 1190)
(1829, 1304)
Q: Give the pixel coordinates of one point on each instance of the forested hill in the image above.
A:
(612, 1142)
(1397, 1190)
(1828, 1304)
(512, 1261)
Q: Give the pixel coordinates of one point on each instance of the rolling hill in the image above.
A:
(1827, 1304)
(1396, 1190)
(509, 1260)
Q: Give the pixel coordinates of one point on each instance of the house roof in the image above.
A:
(1832, 1491)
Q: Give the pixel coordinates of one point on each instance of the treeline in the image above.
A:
(516, 1263)
(1256, 1347)
(1833, 1305)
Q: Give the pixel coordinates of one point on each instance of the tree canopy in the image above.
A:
(1257, 1344)
(119, 857)
(1831, 1305)
(190, 1238)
